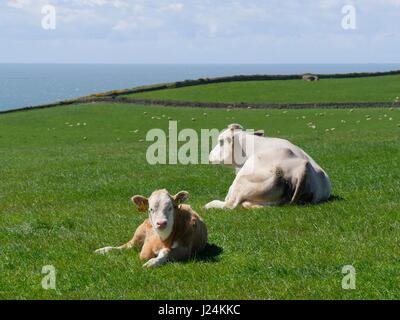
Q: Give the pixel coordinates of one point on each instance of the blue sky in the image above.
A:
(200, 31)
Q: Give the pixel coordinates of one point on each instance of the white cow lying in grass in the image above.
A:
(270, 171)
(173, 231)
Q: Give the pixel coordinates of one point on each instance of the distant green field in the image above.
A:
(65, 190)
(373, 89)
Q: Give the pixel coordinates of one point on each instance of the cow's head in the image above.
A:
(233, 147)
(161, 207)
(223, 153)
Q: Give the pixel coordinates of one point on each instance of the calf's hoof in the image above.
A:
(152, 263)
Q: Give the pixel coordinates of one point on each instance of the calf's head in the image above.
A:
(161, 207)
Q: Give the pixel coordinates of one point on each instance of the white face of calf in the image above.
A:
(161, 207)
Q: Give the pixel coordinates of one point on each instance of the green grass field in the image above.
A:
(372, 89)
(65, 190)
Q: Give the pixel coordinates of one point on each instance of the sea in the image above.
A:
(24, 85)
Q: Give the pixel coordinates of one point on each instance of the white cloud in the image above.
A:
(137, 23)
(176, 7)
(207, 26)
(18, 4)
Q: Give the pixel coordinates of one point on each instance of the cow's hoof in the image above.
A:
(104, 250)
(216, 204)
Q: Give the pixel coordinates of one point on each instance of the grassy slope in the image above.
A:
(374, 89)
(61, 197)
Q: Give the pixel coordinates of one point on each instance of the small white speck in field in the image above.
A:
(333, 129)
(84, 138)
(193, 119)
(205, 114)
(145, 113)
(390, 119)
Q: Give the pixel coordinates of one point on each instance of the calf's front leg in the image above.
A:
(177, 253)
(161, 259)
(137, 240)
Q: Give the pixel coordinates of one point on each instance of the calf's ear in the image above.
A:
(181, 197)
(141, 202)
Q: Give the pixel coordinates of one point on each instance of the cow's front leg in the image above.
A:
(216, 204)
(162, 258)
(230, 203)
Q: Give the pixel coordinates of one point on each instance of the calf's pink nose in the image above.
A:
(162, 224)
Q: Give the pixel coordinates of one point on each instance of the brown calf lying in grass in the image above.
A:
(173, 231)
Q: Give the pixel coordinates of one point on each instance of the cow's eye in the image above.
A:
(221, 143)
(229, 140)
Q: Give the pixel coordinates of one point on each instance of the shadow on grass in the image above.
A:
(210, 254)
(335, 198)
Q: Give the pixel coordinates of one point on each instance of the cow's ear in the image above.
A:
(181, 197)
(141, 202)
(259, 133)
(235, 126)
